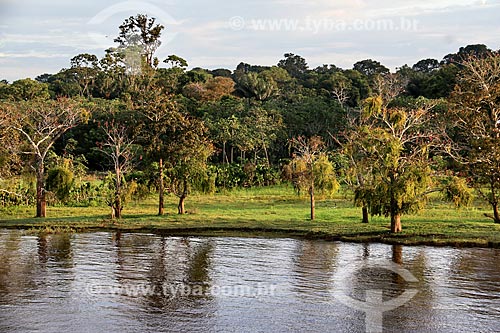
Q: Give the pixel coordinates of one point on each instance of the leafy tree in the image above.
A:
(176, 61)
(309, 116)
(358, 174)
(370, 68)
(141, 32)
(310, 169)
(9, 162)
(189, 151)
(111, 80)
(24, 90)
(226, 130)
(41, 123)
(464, 53)
(263, 127)
(211, 90)
(426, 66)
(64, 84)
(359, 88)
(85, 69)
(259, 86)
(398, 143)
(294, 64)
(477, 120)
(161, 117)
(221, 72)
(60, 180)
(225, 121)
(396, 146)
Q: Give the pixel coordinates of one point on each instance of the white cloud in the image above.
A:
(34, 54)
(39, 38)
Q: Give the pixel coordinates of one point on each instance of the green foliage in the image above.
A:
(60, 181)
(372, 106)
(229, 176)
(16, 192)
(325, 178)
(249, 174)
(249, 115)
(457, 191)
(407, 190)
(108, 189)
(86, 194)
(476, 116)
(310, 169)
(24, 90)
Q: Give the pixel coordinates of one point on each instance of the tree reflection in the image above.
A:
(314, 266)
(169, 275)
(55, 248)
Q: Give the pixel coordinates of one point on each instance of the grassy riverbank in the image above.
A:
(271, 212)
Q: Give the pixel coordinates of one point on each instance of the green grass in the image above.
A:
(272, 212)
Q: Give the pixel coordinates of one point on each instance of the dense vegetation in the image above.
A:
(127, 125)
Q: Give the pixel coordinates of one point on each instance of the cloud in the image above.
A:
(41, 38)
(34, 54)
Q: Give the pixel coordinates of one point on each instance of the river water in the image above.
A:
(112, 282)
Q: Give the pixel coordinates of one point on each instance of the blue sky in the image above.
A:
(39, 37)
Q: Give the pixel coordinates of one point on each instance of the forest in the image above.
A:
(128, 124)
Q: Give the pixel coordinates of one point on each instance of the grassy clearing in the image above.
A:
(274, 211)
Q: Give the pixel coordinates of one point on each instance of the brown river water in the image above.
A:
(112, 282)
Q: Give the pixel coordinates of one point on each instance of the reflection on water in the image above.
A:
(114, 282)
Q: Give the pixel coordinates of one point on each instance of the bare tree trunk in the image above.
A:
(224, 157)
(365, 214)
(395, 214)
(118, 206)
(496, 214)
(313, 203)
(182, 198)
(267, 156)
(41, 202)
(232, 154)
(161, 199)
(396, 223)
(181, 207)
(118, 191)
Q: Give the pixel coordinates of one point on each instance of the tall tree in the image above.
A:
(85, 69)
(118, 146)
(41, 123)
(188, 154)
(396, 146)
(259, 86)
(426, 65)
(310, 170)
(295, 65)
(263, 126)
(477, 126)
(161, 118)
(141, 31)
(466, 52)
(370, 67)
(358, 174)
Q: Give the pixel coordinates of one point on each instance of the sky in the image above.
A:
(38, 37)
